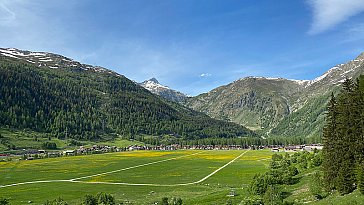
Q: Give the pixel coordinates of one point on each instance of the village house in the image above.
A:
(275, 149)
(69, 152)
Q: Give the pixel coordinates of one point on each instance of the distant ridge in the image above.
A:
(277, 106)
(50, 60)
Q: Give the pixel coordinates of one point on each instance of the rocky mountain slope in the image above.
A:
(155, 87)
(277, 106)
(52, 94)
(256, 102)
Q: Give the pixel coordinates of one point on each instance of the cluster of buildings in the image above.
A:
(215, 147)
(178, 146)
(98, 149)
(294, 148)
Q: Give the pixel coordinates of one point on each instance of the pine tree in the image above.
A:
(359, 119)
(347, 137)
(343, 138)
(346, 177)
(330, 165)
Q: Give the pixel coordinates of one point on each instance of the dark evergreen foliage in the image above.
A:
(82, 104)
(105, 199)
(49, 145)
(330, 137)
(343, 138)
(4, 201)
(164, 201)
(89, 199)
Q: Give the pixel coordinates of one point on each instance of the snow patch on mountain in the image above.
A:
(9, 55)
(152, 85)
(155, 87)
(300, 82)
(50, 60)
(325, 75)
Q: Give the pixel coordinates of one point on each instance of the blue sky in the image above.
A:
(191, 45)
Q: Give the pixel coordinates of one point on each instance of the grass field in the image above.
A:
(144, 177)
(140, 177)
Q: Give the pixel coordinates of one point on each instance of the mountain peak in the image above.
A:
(154, 80)
(155, 87)
(360, 57)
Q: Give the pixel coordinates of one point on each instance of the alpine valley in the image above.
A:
(276, 106)
(72, 133)
(52, 94)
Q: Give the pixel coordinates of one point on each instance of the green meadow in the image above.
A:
(144, 177)
(138, 177)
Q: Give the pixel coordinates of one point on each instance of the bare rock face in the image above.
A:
(164, 91)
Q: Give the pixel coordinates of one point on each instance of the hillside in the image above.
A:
(309, 106)
(53, 94)
(277, 106)
(255, 102)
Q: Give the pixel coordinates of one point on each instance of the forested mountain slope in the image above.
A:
(277, 106)
(50, 93)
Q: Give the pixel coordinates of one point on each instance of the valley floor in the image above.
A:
(144, 177)
(140, 177)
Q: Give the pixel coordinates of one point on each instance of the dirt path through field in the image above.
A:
(75, 180)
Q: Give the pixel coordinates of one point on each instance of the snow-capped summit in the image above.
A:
(154, 80)
(339, 73)
(153, 84)
(155, 87)
(50, 60)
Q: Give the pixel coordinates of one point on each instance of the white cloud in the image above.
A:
(329, 13)
(205, 75)
(6, 15)
(33, 25)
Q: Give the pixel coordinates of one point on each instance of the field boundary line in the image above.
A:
(133, 167)
(166, 185)
(214, 172)
(35, 182)
(132, 184)
(100, 174)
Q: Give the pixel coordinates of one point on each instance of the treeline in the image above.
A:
(79, 104)
(343, 139)
(242, 141)
(100, 198)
